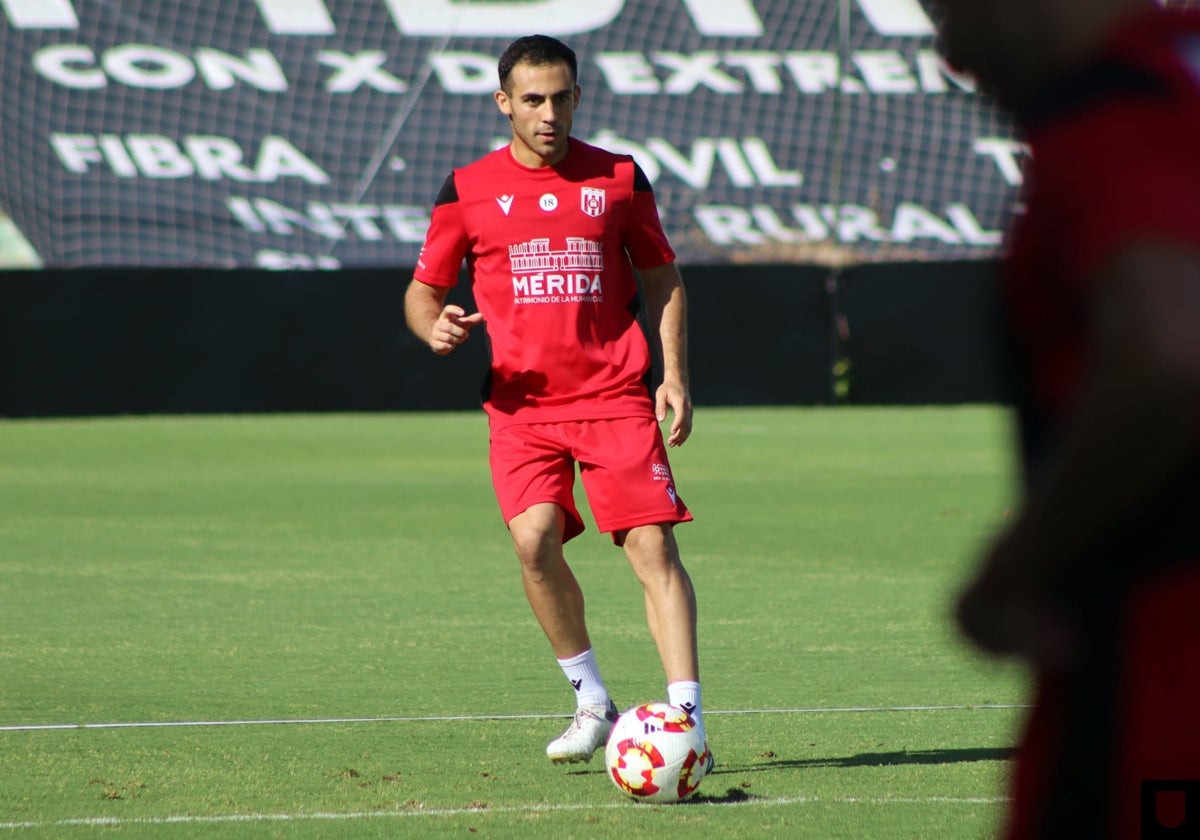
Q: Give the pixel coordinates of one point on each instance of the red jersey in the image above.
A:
(550, 252)
(1116, 159)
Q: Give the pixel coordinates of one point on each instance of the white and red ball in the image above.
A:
(656, 753)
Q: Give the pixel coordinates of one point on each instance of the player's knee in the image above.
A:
(652, 552)
(538, 550)
(537, 533)
(651, 543)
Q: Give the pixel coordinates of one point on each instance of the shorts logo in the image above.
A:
(661, 472)
(548, 202)
(591, 201)
(1170, 808)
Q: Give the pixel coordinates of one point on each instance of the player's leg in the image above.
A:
(557, 602)
(629, 483)
(550, 585)
(670, 613)
(534, 481)
(670, 598)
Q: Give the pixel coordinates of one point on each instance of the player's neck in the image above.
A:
(527, 157)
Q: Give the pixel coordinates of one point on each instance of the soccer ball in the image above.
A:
(656, 753)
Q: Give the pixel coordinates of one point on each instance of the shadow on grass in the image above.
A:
(888, 759)
(729, 797)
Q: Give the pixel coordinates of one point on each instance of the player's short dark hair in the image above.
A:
(537, 50)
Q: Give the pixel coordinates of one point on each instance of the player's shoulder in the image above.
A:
(585, 154)
(485, 164)
(583, 150)
(481, 171)
(621, 167)
(1148, 64)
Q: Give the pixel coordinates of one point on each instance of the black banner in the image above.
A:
(312, 134)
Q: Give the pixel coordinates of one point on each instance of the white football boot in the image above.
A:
(587, 733)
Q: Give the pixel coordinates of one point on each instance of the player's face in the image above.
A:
(540, 102)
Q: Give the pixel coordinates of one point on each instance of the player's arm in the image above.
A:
(666, 314)
(440, 325)
(1135, 429)
(443, 327)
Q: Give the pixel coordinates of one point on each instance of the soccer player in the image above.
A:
(552, 230)
(1096, 580)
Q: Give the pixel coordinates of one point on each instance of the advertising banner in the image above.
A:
(315, 134)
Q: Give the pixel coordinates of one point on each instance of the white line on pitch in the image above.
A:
(117, 822)
(41, 727)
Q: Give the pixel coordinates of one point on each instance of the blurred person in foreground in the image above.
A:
(1095, 582)
(552, 230)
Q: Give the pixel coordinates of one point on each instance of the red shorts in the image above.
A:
(1127, 737)
(622, 462)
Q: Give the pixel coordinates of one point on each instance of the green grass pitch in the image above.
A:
(317, 625)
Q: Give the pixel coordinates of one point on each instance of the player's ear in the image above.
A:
(503, 103)
(578, 95)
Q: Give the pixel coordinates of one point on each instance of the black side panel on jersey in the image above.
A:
(448, 194)
(485, 388)
(640, 182)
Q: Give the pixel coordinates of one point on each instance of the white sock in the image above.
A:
(585, 678)
(686, 695)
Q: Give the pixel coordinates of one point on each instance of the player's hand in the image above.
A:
(1008, 609)
(674, 396)
(452, 328)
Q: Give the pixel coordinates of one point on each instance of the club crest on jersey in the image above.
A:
(591, 201)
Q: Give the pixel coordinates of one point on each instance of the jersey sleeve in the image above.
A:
(643, 236)
(441, 256)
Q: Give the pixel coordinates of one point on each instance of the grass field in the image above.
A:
(314, 627)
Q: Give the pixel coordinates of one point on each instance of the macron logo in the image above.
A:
(505, 202)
